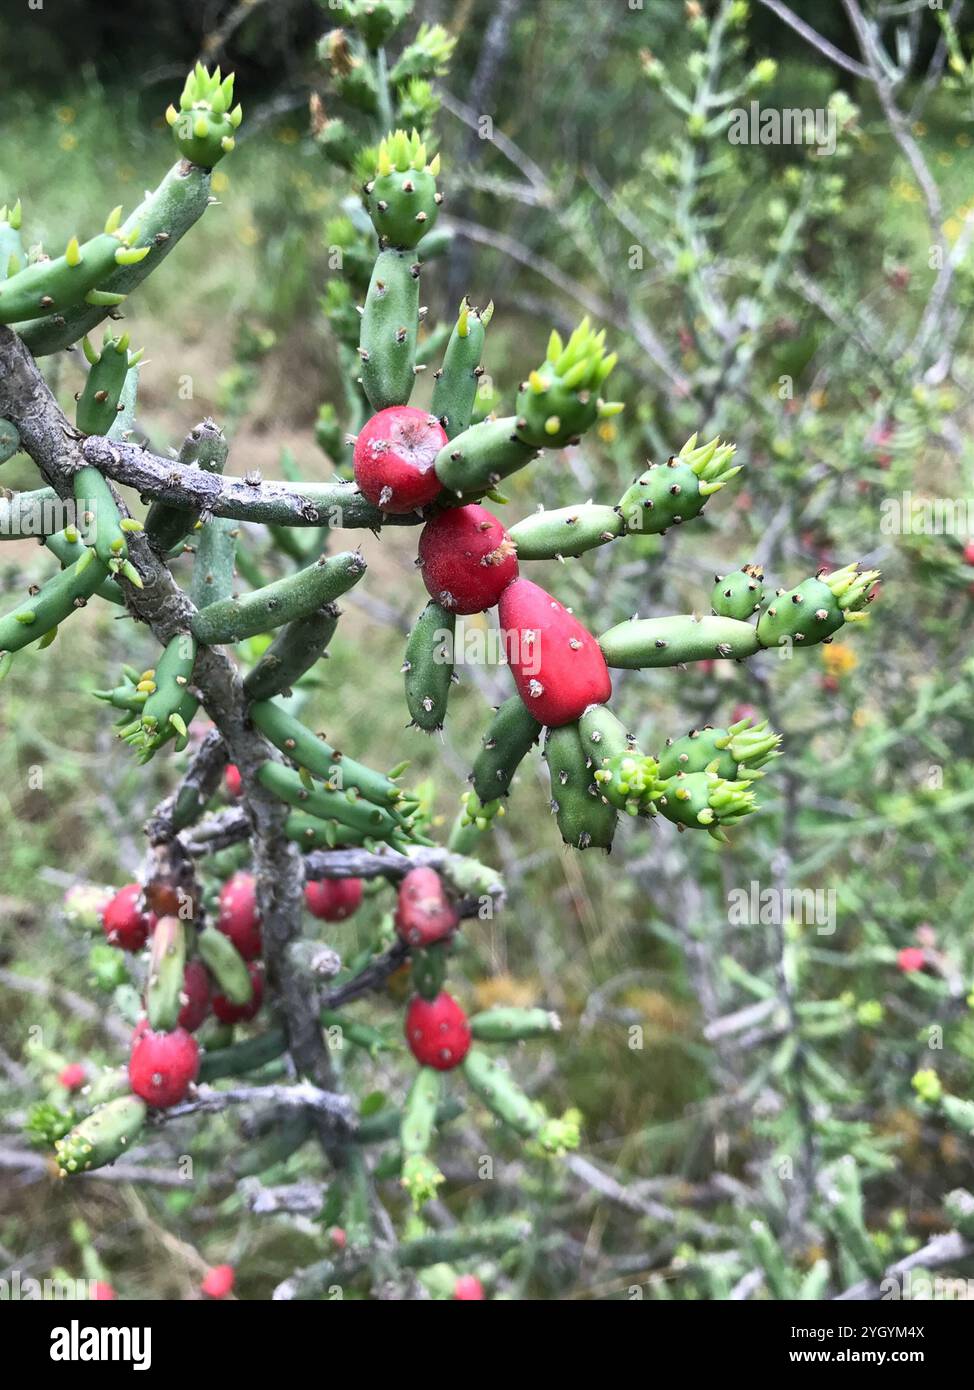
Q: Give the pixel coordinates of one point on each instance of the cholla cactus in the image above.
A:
(311, 812)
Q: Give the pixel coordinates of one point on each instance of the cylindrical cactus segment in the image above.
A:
(48, 287)
(340, 773)
(213, 567)
(623, 774)
(102, 1136)
(705, 801)
(585, 818)
(741, 749)
(226, 965)
(167, 964)
(283, 601)
(204, 447)
(93, 492)
(476, 460)
(567, 531)
(508, 1024)
(428, 666)
(346, 807)
(311, 833)
(817, 607)
(295, 649)
(9, 440)
(56, 600)
(559, 401)
(163, 712)
(677, 490)
(455, 385)
(206, 122)
(498, 1090)
(649, 642)
(100, 401)
(402, 199)
(738, 594)
(420, 1175)
(390, 323)
(510, 736)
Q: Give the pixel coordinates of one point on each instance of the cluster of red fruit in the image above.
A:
(437, 1030)
(469, 564)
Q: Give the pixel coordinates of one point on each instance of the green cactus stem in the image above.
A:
(651, 642)
(559, 401)
(623, 774)
(506, 1025)
(206, 123)
(675, 491)
(510, 736)
(476, 460)
(239, 1058)
(346, 807)
(13, 257)
(455, 383)
(742, 749)
(585, 818)
(9, 440)
(93, 493)
(213, 567)
(123, 426)
(294, 651)
(390, 323)
(164, 710)
(159, 222)
(705, 801)
(498, 1090)
(283, 601)
(102, 1137)
(204, 447)
(308, 750)
(167, 962)
(226, 965)
(738, 594)
(100, 402)
(420, 1176)
(566, 532)
(56, 600)
(68, 546)
(428, 667)
(817, 607)
(147, 740)
(402, 199)
(48, 287)
(427, 56)
(311, 833)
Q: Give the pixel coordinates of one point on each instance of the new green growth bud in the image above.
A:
(205, 125)
(402, 199)
(559, 401)
(675, 491)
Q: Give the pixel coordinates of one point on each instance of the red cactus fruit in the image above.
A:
(218, 1281)
(102, 1292)
(338, 1237)
(72, 1076)
(467, 559)
(162, 1066)
(437, 1032)
(424, 913)
(196, 988)
(238, 917)
(911, 958)
(740, 712)
(333, 899)
(125, 923)
(228, 1012)
(969, 553)
(468, 1289)
(232, 780)
(394, 457)
(558, 666)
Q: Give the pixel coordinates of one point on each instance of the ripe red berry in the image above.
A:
(557, 664)
(238, 917)
(72, 1076)
(394, 457)
(437, 1032)
(467, 559)
(830, 684)
(125, 923)
(338, 1237)
(162, 1065)
(468, 1289)
(232, 780)
(218, 1281)
(969, 553)
(196, 988)
(102, 1292)
(228, 1012)
(740, 712)
(333, 899)
(911, 958)
(424, 913)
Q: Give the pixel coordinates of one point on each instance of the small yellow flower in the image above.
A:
(962, 139)
(945, 158)
(68, 141)
(219, 181)
(66, 114)
(839, 658)
(505, 989)
(951, 229)
(607, 432)
(817, 399)
(249, 234)
(919, 129)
